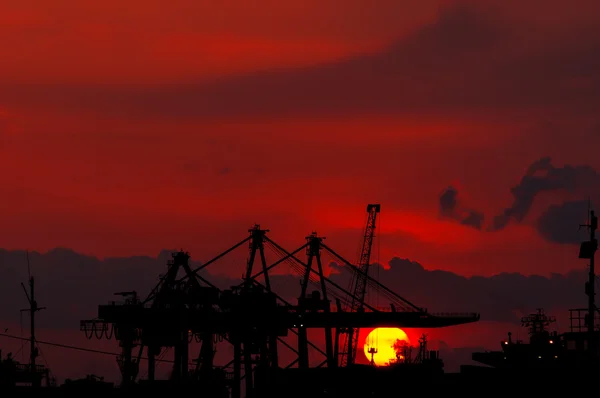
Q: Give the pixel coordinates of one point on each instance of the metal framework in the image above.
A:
(360, 284)
(250, 316)
(32, 373)
(588, 251)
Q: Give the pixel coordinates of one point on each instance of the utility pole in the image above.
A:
(33, 308)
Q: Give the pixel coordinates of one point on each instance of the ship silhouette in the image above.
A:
(572, 353)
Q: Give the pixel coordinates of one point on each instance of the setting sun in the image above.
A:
(382, 341)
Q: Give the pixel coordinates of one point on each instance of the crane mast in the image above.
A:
(360, 284)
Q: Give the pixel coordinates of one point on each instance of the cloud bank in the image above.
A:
(558, 223)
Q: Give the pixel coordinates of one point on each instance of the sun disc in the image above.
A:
(379, 345)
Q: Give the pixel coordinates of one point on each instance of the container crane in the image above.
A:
(250, 317)
(359, 282)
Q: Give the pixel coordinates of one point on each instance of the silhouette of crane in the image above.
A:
(253, 318)
(359, 280)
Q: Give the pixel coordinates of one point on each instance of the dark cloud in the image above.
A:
(471, 58)
(450, 208)
(542, 176)
(556, 224)
(499, 298)
(448, 201)
(71, 285)
(474, 219)
(559, 222)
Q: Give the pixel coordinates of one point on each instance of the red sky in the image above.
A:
(130, 127)
(388, 102)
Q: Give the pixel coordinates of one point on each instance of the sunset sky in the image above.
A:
(131, 127)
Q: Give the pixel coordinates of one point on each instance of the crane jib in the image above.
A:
(360, 283)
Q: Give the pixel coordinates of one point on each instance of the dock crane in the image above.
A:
(250, 316)
(359, 285)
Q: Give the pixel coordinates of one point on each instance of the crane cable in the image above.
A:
(377, 277)
(301, 270)
(76, 348)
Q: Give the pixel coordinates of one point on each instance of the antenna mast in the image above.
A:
(588, 250)
(33, 308)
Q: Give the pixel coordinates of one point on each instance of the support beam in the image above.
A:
(332, 283)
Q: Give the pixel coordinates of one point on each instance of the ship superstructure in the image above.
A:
(572, 351)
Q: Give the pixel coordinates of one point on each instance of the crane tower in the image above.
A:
(360, 285)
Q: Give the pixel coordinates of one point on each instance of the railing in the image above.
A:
(24, 367)
(436, 314)
(578, 320)
(127, 302)
(454, 314)
(396, 309)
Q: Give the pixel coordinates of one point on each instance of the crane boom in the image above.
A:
(360, 284)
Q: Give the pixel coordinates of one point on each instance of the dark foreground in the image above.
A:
(472, 382)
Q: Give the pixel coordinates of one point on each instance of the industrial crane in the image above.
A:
(254, 319)
(359, 282)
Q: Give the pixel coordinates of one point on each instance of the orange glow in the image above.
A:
(382, 341)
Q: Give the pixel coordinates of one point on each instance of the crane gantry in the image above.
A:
(254, 319)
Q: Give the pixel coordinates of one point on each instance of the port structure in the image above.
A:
(250, 316)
